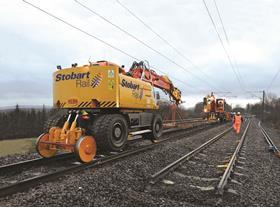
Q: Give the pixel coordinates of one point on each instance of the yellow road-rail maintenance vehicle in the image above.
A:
(209, 107)
(99, 106)
(214, 109)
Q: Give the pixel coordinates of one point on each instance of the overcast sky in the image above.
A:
(32, 44)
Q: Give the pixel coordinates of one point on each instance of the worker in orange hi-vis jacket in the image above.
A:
(237, 121)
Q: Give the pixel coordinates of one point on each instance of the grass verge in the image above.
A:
(17, 146)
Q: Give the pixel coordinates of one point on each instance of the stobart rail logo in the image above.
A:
(96, 80)
(82, 79)
(137, 92)
(130, 84)
(72, 76)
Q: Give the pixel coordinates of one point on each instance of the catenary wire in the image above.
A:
(224, 48)
(273, 79)
(163, 39)
(228, 42)
(143, 43)
(100, 40)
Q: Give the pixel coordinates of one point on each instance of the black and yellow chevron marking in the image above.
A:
(103, 104)
(87, 104)
(107, 104)
(84, 104)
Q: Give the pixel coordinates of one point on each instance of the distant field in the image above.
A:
(17, 146)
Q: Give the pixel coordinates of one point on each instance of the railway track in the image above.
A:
(171, 127)
(19, 166)
(69, 166)
(190, 173)
(40, 161)
(271, 146)
(230, 166)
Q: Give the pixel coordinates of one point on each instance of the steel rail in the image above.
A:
(183, 120)
(172, 166)
(167, 124)
(203, 125)
(231, 163)
(37, 161)
(269, 141)
(180, 128)
(30, 182)
(33, 162)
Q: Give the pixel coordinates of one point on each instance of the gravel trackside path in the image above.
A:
(122, 183)
(261, 183)
(18, 158)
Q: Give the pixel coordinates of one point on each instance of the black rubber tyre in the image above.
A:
(157, 129)
(57, 119)
(110, 132)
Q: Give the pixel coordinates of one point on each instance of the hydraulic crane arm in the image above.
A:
(141, 71)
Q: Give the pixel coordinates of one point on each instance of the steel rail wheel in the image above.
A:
(44, 149)
(85, 148)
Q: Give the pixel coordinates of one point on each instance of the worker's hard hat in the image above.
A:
(238, 113)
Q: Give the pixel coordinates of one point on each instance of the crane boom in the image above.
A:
(141, 71)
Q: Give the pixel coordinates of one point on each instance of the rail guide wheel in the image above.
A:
(44, 149)
(85, 148)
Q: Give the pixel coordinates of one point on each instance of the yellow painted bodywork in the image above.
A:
(207, 103)
(93, 86)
